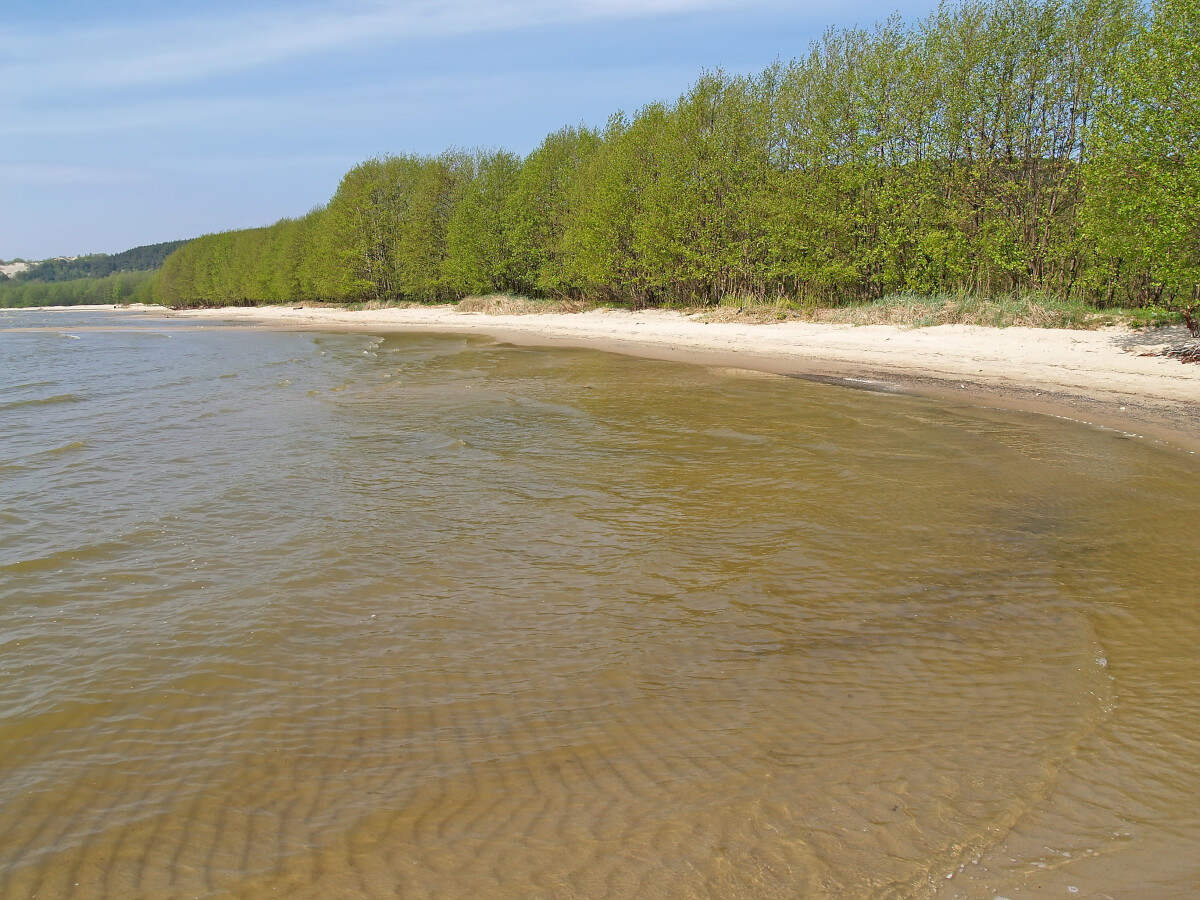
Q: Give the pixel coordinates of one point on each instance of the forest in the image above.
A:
(97, 278)
(995, 148)
(126, 287)
(101, 265)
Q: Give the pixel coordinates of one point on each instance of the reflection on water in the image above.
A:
(419, 616)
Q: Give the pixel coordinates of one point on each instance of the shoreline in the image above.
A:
(1100, 378)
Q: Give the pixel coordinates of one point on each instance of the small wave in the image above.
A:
(39, 401)
(87, 554)
(32, 384)
(73, 337)
(67, 448)
(734, 435)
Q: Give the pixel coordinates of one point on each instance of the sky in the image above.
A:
(132, 122)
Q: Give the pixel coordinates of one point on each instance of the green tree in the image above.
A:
(363, 221)
(479, 251)
(1145, 173)
(601, 253)
(540, 207)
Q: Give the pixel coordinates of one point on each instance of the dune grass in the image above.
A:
(902, 310)
(926, 310)
(515, 305)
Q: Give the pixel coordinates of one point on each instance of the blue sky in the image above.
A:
(132, 122)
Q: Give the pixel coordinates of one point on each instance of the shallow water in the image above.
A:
(324, 615)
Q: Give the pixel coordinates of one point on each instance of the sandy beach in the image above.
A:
(1108, 378)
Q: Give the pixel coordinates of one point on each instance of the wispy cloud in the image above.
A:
(132, 55)
(57, 174)
(241, 117)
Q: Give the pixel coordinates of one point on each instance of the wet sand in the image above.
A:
(1104, 378)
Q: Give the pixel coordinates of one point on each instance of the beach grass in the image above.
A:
(516, 305)
(926, 310)
(1031, 310)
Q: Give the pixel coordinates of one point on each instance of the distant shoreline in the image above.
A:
(1102, 378)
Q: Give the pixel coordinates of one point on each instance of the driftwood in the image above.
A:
(1187, 354)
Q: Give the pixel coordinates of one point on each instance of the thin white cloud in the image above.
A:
(59, 174)
(426, 113)
(633, 8)
(173, 51)
(145, 117)
(248, 113)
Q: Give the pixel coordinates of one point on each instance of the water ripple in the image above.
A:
(436, 620)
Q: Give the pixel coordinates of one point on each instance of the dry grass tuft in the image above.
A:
(901, 310)
(507, 305)
(390, 304)
(748, 309)
(919, 311)
(916, 311)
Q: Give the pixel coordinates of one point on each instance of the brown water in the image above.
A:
(420, 616)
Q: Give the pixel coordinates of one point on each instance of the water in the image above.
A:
(322, 615)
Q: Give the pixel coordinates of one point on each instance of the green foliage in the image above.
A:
(542, 203)
(283, 263)
(385, 230)
(479, 233)
(600, 253)
(124, 287)
(100, 265)
(1000, 148)
(1145, 178)
(118, 278)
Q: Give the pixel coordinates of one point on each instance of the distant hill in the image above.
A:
(100, 265)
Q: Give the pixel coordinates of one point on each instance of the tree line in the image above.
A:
(100, 265)
(121, 287)
(124, 277)
(997, 146)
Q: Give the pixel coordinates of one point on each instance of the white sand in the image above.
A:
(1100, 377)
(11, 269)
